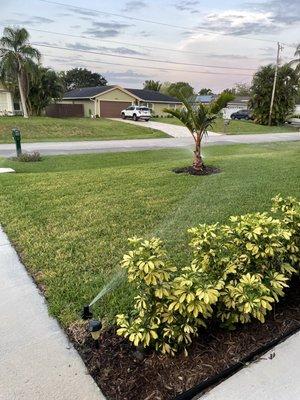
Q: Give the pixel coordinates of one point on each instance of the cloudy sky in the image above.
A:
(207, 43)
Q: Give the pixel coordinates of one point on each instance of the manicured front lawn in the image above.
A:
(60, 129)
(248, 127)
(236, 127)
(70, 216)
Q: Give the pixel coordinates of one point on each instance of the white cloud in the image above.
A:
(239, 22)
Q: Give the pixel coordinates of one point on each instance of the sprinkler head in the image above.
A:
(86, 313)
(94, 328)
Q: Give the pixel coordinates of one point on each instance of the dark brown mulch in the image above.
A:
(122, 377)
(207, 170)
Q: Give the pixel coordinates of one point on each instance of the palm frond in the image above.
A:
(14, 38)
(28, 51)
(196, 118)
(190, 112)
(8, 63)
(183, 115)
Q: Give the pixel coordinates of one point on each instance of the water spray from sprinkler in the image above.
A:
(94, 325)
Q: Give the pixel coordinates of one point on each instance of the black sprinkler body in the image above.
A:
(86, 313)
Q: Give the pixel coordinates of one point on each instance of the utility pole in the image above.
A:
(279, 49)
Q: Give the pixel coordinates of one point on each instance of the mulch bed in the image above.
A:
(122, 376)
(207, 170)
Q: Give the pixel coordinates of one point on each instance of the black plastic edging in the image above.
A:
(189, 394)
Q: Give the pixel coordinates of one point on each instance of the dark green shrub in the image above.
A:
(29, 157)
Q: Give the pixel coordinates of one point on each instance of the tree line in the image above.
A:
(36, 86)
(259, 91)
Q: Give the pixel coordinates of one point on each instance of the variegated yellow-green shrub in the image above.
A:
(170, 306)
(265, 252)
(237, 273)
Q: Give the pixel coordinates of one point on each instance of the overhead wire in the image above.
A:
(141, 58)
(143, 66)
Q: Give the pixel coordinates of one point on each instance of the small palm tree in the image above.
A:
(17, 59)
(197, 119)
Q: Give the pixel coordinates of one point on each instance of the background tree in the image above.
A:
(229, 90)
(81, 77)
(17, 61)
(178, 89)
(296, 61)
(285, 94)
(164, 87)
(205, 91)
(152, 85)
(242, 89)
(298, 95)
(44, 86)
(197, 118)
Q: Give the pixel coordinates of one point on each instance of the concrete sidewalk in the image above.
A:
(275, 377)
(105, 146)
(37, 362)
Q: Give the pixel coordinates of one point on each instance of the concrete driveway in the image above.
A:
(172, 130)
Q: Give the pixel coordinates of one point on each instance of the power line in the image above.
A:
(143, 59)
(123, 43)
(145, 67)
(156, 22)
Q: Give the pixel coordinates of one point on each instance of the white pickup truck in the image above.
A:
(136, 113)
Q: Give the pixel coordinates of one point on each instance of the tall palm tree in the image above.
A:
(197, 119)
(17, 59)
(296, 61)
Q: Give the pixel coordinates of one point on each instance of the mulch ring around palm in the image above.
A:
(122, 375)
(206, 170)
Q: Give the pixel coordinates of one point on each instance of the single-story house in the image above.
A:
(8, 106)
(239, 103)
(109, 101)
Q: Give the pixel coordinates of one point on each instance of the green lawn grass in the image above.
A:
(60, 129)
(237, 127)
(247, 127)
(166, 120)
(70, 216)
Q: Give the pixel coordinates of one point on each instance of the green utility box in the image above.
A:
(16, 134)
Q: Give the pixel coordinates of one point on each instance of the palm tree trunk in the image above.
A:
(22, 95)
(198, 162)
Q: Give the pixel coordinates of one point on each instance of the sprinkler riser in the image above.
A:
(86, 313)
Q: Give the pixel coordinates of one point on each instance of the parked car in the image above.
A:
(293, 120)
(136, 113)
(242, 114)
